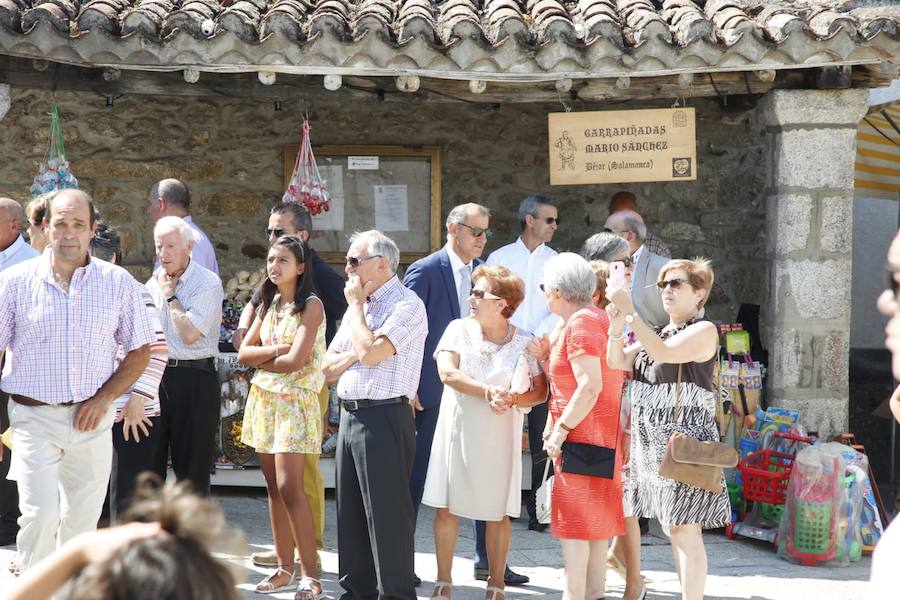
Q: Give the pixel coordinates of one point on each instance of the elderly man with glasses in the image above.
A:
(376, 359)
(629, 225)
(294, 220)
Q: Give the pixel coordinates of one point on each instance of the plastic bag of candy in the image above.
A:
(307, 186)
(54, 171)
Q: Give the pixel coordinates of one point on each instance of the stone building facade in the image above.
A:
(229, 152)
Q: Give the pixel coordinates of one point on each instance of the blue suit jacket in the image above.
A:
(431, 278)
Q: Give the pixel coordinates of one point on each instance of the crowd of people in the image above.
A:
(605, 353)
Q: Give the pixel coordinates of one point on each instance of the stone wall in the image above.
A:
(812, 137)
(229, 151)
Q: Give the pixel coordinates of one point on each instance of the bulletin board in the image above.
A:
(395, 189)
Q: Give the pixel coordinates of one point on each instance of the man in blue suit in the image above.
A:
(443, 280)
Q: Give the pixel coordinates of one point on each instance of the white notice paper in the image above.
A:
(366, 163)
(391, 208)
(332, 219)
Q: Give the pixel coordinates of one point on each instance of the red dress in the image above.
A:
(584, 507)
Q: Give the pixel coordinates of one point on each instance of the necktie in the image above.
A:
(465, 288)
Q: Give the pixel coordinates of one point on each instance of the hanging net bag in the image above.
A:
(307, 186)
(54, 171)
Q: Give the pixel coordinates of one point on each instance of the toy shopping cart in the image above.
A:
(765, 475)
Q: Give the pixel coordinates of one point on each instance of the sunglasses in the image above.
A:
(627, 261)
(481, 295)
(543, 289)
(611, 230)
(550, 220)
(675, 283)
(478, 231)
(354, 261)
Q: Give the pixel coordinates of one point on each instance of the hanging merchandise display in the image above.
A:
(54, 171)
(307, 186)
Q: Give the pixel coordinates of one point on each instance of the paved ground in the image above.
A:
(739, 570)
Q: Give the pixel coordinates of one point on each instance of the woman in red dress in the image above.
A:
(584, 407)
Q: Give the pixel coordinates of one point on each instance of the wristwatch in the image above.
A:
(630, 317)
(171, 299)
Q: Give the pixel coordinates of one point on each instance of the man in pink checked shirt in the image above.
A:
(64, 316)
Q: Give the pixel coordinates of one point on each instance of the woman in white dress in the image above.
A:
(490, 382)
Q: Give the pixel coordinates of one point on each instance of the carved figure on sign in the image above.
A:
(566, 151)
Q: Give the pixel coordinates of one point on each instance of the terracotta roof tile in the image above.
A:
(506, 33)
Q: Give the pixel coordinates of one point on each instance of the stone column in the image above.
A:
(5, 99)
(812, 149)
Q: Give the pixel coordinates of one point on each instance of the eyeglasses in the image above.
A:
(354, 261)
(611, 230)
(478, 231)
(550, 220)
(627, 261)
(481, 295)
(675, 283)
(543, 289)
(276, 232)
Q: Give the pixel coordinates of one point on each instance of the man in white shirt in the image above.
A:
(13, 250)
(171, 198)
(526, 258)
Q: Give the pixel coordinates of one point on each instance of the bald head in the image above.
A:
(74, 198)
(622, 201)
(169, 198)
(12, 215)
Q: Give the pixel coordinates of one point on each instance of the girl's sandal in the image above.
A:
(305, 590)
(267, 585)
(439, 587)
(491, 593)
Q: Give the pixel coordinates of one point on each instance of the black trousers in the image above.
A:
(537, 419)
(9, 493)
(189, 401)
(375, 517)
(130, 459)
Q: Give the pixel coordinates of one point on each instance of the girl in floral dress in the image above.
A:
(282, 420)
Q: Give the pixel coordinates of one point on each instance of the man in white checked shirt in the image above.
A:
(376, 358)
(189, 299)
(65, 316)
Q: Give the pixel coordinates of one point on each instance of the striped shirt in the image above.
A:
(147, 385)
(200, 293)
(395, 312)
(66, 343)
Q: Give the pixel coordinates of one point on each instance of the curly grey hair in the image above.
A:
(572, 276)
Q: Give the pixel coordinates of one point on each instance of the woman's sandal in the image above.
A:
(305, 590)
(491, 593)
(266, 586)
(440, 586)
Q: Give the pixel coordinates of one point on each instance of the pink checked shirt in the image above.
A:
(65, 344)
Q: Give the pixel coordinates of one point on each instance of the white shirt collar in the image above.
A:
(637, 255)
(521, 246)
(13, 249)
(456, 262)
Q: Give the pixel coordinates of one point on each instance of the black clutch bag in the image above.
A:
(588, 459)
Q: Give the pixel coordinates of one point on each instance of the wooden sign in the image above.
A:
(622, 146)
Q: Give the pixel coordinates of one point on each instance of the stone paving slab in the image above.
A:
(738, 570)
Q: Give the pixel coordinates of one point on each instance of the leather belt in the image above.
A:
(206, 364)
(26, 401)
(354, 405)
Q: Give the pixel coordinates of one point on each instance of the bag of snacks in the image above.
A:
(307, 186)
(54, 171)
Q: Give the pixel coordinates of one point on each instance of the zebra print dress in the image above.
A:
(652, 422)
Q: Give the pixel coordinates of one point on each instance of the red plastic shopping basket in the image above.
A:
(765, 475)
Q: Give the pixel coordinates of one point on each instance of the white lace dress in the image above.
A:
(475, 469)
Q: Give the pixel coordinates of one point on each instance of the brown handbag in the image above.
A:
(693, 462)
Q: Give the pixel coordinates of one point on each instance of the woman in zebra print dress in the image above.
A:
(687, 345)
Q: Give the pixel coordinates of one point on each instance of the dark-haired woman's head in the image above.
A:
(286, 266)
(175, 565)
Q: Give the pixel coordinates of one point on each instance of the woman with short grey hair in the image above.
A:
(583, 410)
(604, 246)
